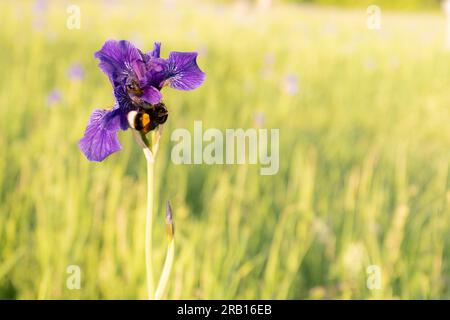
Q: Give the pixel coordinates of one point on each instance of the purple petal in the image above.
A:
(117, 59)
(100, 137)
(151, 95)
(156, 50)
(124, 102)
(156, 72)
(139, 69)
(117, 118)
(182, 71)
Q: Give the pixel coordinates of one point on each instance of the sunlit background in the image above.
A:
(364, 152)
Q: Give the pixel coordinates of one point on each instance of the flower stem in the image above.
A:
(166, 270)
(150, 157)
(149, 227)
(150, 148)
(162, 283)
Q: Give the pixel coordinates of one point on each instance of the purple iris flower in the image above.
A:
(54, 97)
(137, 79)
(76, 71)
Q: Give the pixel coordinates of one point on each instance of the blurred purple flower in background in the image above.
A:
(40, 6)
(259, 118)
(268, 63)
(54, 97)
(76, 71)
(137, 79)
(290, 84)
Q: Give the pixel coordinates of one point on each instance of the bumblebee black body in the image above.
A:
(147, 119)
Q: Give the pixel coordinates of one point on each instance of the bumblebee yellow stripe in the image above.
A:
(145, 120)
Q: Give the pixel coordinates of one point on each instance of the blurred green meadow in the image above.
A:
(364, 154)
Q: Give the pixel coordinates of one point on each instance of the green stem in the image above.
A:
(149, 156)
(148, 227)
(150, 148)
(166, 270)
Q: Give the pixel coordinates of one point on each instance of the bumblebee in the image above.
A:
(147, 119)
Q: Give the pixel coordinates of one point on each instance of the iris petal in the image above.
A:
(156, 72)
(125, 104)
(155, 53)
(139, 70)
(117, 59)
(183, 72)
(116, 118)
(100, 137)
(151, 95)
